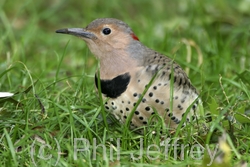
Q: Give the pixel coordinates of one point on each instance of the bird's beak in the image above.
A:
(79, 32)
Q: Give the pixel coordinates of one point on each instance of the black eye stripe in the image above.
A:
(106, 31)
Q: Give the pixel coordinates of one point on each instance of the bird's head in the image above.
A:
(104, 36)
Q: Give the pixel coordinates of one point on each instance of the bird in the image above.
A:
(128, 68)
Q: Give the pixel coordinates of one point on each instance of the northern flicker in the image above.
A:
(127, 67)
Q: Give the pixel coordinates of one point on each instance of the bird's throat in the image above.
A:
(116, 65)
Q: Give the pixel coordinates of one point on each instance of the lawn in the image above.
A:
(55, 117)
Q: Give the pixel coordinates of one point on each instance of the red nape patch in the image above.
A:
(134, 37)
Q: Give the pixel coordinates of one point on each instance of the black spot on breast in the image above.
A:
(177, 121)
(174, 79)
(180, 107)
(163, 74)
(180, 81)
(115, 87)
(169, 76)
(147, 108)
(150, 94)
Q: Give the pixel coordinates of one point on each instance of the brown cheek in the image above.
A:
(120, 41)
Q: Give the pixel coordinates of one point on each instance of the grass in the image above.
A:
(55, 103)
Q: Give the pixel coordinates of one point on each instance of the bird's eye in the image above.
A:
(106, 31)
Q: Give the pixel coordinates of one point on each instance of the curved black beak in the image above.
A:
(80, 32)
